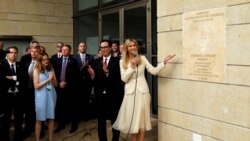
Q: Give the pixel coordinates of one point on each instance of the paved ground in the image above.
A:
(87, 131)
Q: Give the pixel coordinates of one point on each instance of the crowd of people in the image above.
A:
(40, 90)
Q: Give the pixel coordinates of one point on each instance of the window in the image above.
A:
(87, 31)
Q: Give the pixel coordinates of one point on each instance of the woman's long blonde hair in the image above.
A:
(125, 53)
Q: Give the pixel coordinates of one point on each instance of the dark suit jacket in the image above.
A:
(112, 83)
(84, 71)
(71, 71)
(21, 73)
(26, 60)
(54, 59)
(2, 54)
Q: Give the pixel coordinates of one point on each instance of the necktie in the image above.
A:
(106, 61)
(63, 70)
(31, 69)
(13, 84)
(105, 65)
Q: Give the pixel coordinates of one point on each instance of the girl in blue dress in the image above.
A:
(45, 95)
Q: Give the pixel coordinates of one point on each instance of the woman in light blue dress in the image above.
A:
(45, 94)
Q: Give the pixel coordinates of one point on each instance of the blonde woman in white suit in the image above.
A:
(134, 114)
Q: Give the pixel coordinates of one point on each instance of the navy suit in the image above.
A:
(12, 101)
(66, 106)
(108, 104)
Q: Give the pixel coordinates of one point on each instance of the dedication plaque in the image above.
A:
(204, 43)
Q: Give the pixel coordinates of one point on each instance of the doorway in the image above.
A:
(132, 21)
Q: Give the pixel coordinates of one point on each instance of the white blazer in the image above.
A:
(130, 74)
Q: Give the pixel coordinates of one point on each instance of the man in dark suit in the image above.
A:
(55, 57)
(2, 52)
(15, 78)
(66, 74)
(108, 89)
(84, 85)
(29, 60)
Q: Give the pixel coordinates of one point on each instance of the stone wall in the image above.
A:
(206, 111)
(48, 21)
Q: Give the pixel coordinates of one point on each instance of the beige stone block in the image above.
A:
(45, 0)
(55, 39)
(187, 121)
(169, 23)
(195, 5)
(6, 5)
(36, 28)
(33, 7)
(177, 134)
(63, 10)
(66, 20)
(237, 2)
(63, 1)
(215, 101)
(49, 47)
(64, 29)
(10, 27)
(238, 75)
(172, 94)
(172, 117)
(238, 14)
(238, 51)
(169, 7)
(170, 43)
(35, 18)
(161, 131)
(38, 18)
(3, 16)
(17, 17)
(229, 132)
(172, 70)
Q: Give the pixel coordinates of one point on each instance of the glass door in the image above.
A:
(135, 26)
(110, 26)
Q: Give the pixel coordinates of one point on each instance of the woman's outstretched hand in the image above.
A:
(167, 58)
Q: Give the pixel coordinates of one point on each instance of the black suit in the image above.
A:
(13, 101)
(84, 85)
(2, 54)
(54, 60)
(108, 103)
(29, 101)
(66, 106)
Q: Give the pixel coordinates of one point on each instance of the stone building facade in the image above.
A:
(196, 110)
(47, 21)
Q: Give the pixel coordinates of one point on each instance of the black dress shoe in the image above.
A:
(59, 128)
(26, 135)
(73, 128)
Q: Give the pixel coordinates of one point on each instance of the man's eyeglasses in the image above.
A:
(104, 47)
